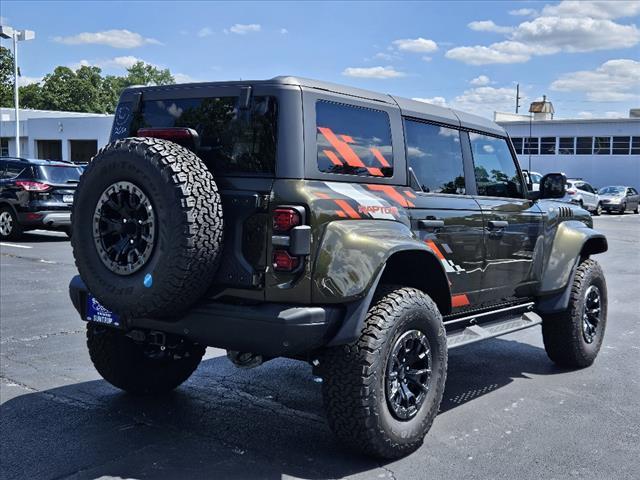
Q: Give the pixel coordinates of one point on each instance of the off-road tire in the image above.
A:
(354, 376)
(122, 362)
(16, 228)
(562, 332)
(188, 239)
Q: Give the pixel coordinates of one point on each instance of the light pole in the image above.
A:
(17, 36)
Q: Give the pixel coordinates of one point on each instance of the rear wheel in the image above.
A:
(139, 367)
(382, 393)
(598, 211)
(573, 338)
(10, 229)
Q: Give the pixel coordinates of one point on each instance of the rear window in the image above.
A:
(59, 174)
(353, 140)
(231, 140)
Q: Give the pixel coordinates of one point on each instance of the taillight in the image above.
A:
(571, 192)
(33, 186)
(283, 262)
(187, 137)
(284, 219)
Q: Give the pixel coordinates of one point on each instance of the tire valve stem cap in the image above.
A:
(148, 280)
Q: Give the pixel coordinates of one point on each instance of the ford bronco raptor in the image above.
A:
(364, 233)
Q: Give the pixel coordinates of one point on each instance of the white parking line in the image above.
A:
(14, 245)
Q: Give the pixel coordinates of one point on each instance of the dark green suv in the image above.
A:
(364, 233)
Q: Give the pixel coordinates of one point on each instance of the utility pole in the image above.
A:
(518, 97)
(16, 35)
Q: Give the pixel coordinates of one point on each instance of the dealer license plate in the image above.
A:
(67, 198)
(100, 314)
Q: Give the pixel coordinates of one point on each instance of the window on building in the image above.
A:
(517, 144)
(621, 145)
(584, 145)
(495, 169)
(434, 154)
(566, 146)
(81, 151)
(635, 146)
(531, 146)
(4, 147)
(602, 145)
(548, 146)
(49, 149)
(353, 140)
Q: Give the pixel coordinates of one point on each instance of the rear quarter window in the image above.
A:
(353, 140)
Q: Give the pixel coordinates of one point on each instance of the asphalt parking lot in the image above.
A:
(508, 412)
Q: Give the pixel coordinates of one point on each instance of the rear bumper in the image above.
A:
(45, 219)
(269, 329)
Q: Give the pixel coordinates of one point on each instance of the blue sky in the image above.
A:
(469, 55)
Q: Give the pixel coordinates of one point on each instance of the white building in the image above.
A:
(54, 135)
(601, 151)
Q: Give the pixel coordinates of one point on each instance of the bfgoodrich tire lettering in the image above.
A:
(188, 222)
(565, 339)
(354, 383)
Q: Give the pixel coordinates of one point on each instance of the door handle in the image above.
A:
(498, 224)
(430, 224)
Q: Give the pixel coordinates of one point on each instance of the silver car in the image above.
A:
(583, 194)
(619, 199)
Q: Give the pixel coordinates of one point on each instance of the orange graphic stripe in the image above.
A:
(409, 194)
(379, 157)
(341, 214)
(347, 138)
(460, 300)
(322, 195)
(333, 157)
(343, 148)
(344, 205)
(392, 193)
(431, 244)
(376, 172)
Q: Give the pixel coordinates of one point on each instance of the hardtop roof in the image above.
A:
(407, 106)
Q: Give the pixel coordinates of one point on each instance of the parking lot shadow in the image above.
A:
(42, 236)
(223, 423)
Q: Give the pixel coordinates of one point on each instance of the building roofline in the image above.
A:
(568, 120)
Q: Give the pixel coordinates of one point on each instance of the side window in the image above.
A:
(353, 140)
(434, 154)
(495, 169)
(13, 170)
(633, 191)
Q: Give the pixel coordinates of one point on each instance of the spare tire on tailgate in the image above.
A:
(147, 227)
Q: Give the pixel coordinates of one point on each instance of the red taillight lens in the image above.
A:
(33, 186)
(571, 192)
(284, 219)
(283, 262)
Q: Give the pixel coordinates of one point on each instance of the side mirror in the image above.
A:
(553, 185)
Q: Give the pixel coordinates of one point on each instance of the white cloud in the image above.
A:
(205, 32)
(24, 80)
(480, 81)
(614, 81)
(484, 101)
(524, 12)
(439, 101)
(566, 27)
(488, 26)
(576, 34)
(120, 62)
(243, 29)
(184, 78)
(593, 9)
(416, 45)
(372, 72)
(427, 58)
(284, 31)
(112, 38)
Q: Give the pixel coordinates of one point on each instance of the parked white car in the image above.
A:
(583, 194)
(532, 179)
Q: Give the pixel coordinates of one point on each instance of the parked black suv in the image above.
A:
(364, 233)
(36, 194)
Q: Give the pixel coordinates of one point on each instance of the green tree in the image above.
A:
(6, 77)
(141, 73)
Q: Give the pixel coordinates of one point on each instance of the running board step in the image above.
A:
(475, 333)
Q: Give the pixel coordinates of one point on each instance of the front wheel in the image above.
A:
(382, 393)
(573, 338)
(139, 367)
(598, 211)
(10, 229)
